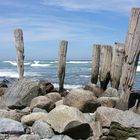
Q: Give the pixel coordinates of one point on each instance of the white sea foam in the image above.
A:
(85, 76)
(37, 64)
(78, 62)
(138, 68)
(53, 62)
(14, 74)
(14, 63)
(66, 86)
(11, 62)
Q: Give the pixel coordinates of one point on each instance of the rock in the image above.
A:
(9, 126)
(39, 110)
(95, 89)
(42, 102)
(69, 121)
(84, 100)
(60, 102)
(61, 137)
(90, 117)
(108, 101)
(121, 104)
(45, 87)
(31, 118)
(42, 129)
(12, 114)
(29, 137)
(2, 91)
(110, 92)
(12, 138)
(126, 118)
(131, 138)
(26, 110)
(121, 132)
(19, 95)
(54, 96)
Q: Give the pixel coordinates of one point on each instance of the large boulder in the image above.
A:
(9, 126)
(20, 94)
(108, 101)
(61, 137)
(12, 114)
(120, 131)
(45, 87)
(31, 118)
(29, 137)
(42, 102)
(42, 129)
(84, 100)
(95, 89)
(54, 96)
(69, 121)
(126, 118)
(110, 92)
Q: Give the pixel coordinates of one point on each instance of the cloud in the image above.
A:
(121, 6)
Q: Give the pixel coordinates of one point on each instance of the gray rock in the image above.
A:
(69, 121)
(42, 129)
(31, 118)
(12, 114)
(39, 110)
(84, 100)
(126, 118)
(110, 92)
(19, 95)
(122, 132)
(8, 126)
(90, 117)
(131, 138)
(54, 96)
(61, 137)
(42, 102)
(29, 137)
(108, 101)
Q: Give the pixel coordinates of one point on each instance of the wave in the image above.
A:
(14, 74)
(66, 86)
(14, 63)
(78, 62)
(138, 68)
(85, 76)
(37, 64)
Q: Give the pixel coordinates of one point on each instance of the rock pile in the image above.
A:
(36, 111)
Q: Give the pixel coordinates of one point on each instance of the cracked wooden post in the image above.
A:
(105, 64)
(95, 63)
(19, 44)
(116, 65)
(62, 63)
(132, 52)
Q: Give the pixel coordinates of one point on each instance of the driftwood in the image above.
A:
(132, 51)
(95, 63)
(62, 63)
(105, 64)
(116, 65)
(19, 44)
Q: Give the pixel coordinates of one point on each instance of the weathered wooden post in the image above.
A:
(62, 63)
(105, 64)
(19, 44)
(95, 63)
(132, 52)
(116, 65)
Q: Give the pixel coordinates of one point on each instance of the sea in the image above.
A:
(78, 73)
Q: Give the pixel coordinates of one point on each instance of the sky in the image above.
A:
(46, 22)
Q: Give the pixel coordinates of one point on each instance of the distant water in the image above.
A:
(77, 72)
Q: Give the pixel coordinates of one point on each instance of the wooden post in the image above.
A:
(105, 64)
(132, 52)
(95, 63)
(62, 63)
(19, 44)
(116, 65)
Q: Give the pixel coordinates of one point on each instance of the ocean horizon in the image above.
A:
(78, 72)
